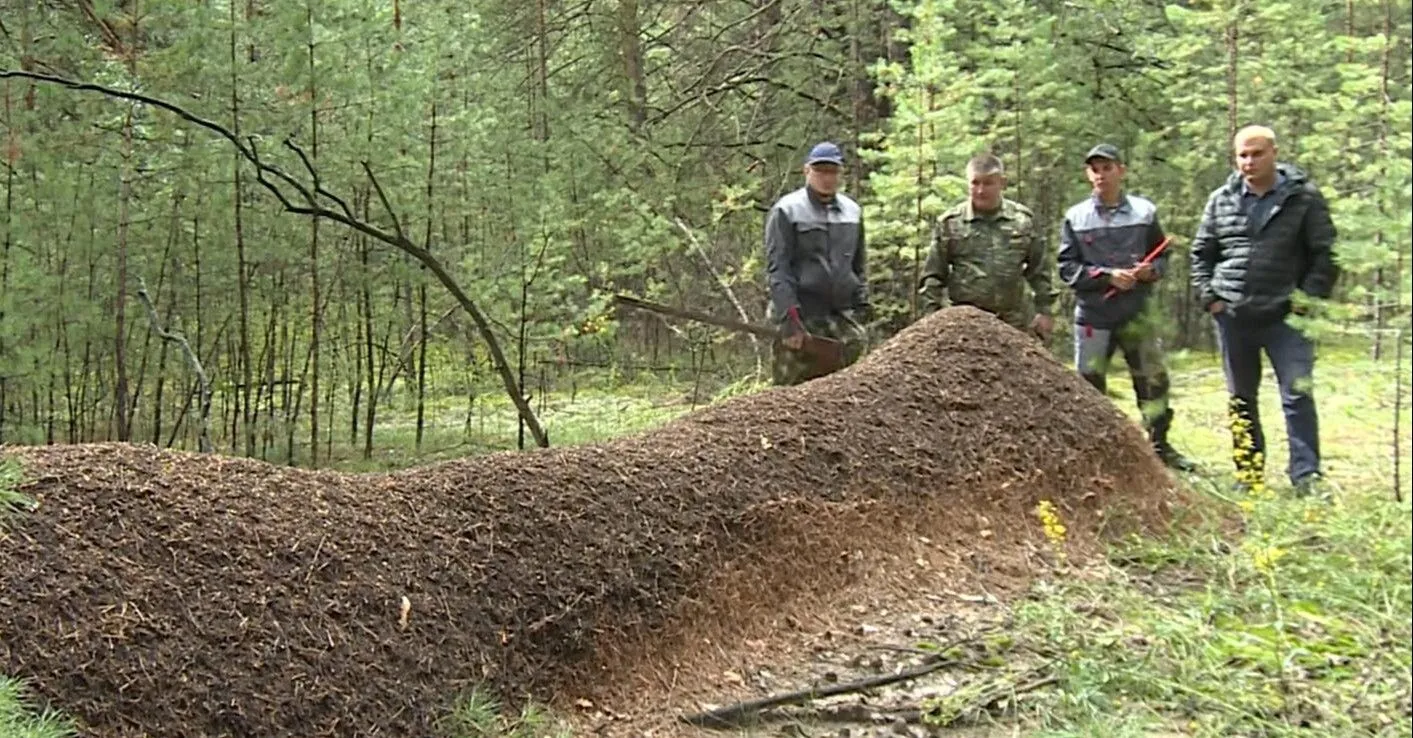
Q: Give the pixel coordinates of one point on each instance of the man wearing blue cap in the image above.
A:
(814, 256)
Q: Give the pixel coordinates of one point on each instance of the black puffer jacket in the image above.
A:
(1254, 267)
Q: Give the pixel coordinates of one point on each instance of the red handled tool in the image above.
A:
(1155, 253)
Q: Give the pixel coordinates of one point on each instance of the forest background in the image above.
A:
(528, 160)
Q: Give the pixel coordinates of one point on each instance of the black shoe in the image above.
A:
(1313, 485)
(1172, 458)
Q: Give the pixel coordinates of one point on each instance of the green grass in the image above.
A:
(1296, 623)
(574, 409)
(12, 501)
(478, 715)
(19, 720)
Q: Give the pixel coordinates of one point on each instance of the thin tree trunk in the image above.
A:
(372, 408)
(520, 344)
(357, 378)
(292, 413)
(161, 374)
(631, 48)
(922, 189)
(12, 160)
(244, 412)
(422, 288)
(332, 409)
(1232, 39)
(196, 268)
(1380, 315)
(542, 132)
(120, 400)
(271, 353)
(316, 316)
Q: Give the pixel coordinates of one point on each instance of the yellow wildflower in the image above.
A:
(1050, 520)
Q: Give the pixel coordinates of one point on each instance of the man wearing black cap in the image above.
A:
(1103, 241)
(814, 256)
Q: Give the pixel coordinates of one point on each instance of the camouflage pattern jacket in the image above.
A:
(986, 260)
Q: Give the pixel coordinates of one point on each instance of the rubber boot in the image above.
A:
(1158, 434)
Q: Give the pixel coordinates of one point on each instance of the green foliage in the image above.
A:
(11, 500)
(1263, 614)
(19, 720)
(550, 157)
(1038, 87)
(1301, 629)
(479, 715)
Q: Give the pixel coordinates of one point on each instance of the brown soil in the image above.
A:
(173, 594)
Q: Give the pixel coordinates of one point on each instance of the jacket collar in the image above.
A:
(1289, 178)
(1101, 208)
(819, 202)
(1003, 212)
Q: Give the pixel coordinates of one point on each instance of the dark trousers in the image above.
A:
(1293, 357)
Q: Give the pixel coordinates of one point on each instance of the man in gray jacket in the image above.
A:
(1102, 242)
(1265, 234)
(815, 267)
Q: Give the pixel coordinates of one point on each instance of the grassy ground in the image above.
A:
(1293, 622)
(573, 410)
(1297, 623)
(18, 720)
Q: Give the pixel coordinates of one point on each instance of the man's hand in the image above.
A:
(794, 330)
(1043, 325)
(1217, 306)
(1122, 279)
(1145, 273)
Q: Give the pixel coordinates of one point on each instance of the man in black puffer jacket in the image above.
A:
(1265, 234)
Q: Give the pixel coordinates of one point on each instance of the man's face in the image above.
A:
(1105, 175)
(986, 190)
(1256, 158)
(823, 177)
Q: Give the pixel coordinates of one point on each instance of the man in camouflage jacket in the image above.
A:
(815, 267)
(985, 251)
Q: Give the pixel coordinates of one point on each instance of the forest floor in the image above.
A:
(1266, 615)
(1295, 621)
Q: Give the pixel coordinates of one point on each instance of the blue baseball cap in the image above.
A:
(825, 153)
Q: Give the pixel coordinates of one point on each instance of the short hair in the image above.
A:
(985, 164)
(1250, 132)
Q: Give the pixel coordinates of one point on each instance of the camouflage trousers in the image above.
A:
(790, 367)
(1094, 349)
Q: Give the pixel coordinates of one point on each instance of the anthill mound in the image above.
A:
(174, 594)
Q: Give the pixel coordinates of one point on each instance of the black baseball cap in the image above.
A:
(1104, 151)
